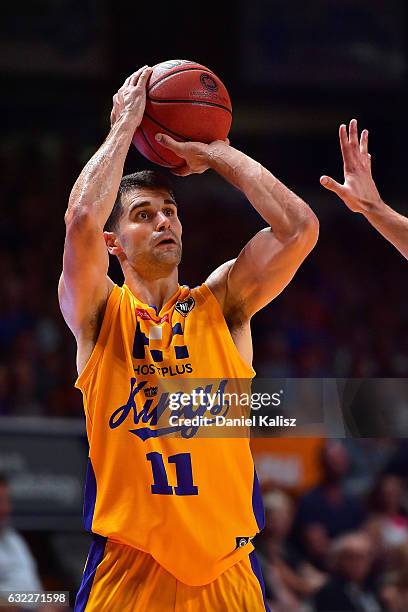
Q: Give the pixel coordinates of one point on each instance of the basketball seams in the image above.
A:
(192, 102)
(183, 138)
(168, 75)
(154, 150)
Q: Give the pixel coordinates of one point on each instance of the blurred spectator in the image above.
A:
(350, 562)
(394, 591)
(4, 390)
(398, 462)
(368, 456)
(18, 570)
(327, 510)
(288, 578)
(388, 520)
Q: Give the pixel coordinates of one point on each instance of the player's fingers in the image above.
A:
(343, 136)
(129, 78)
(353, 133)
(345, 147)
(140, 77)
(169, 142)
(134, 75)
(332, 185)
(144, 77)
(364, 142)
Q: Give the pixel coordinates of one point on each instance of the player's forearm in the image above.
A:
(96, 188)
(286, 213)
(391, 224)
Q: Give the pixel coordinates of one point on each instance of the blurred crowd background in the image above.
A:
(337, 522)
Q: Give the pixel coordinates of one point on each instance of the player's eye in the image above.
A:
(169, 212)
(143, 214)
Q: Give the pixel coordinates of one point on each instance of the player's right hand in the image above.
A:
(130, 100)
(359, 190)
(196, 155)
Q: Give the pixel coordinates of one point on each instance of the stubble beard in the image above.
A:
(161, 263)
(170, 257)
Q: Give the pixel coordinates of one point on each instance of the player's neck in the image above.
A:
(156, 291)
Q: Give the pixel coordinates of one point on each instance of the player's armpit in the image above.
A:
(84, 286)
(263, 269)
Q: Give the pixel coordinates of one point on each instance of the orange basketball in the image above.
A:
(188, 102)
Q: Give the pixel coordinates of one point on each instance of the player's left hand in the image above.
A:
(359, 190)
(195, 154)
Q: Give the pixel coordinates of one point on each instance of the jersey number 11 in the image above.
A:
(184, 474)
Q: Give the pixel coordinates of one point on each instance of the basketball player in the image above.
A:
(359, 191)
(172, 517)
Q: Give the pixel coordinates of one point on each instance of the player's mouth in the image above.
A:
(166, 242)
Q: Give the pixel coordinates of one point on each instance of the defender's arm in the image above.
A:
(359, 191)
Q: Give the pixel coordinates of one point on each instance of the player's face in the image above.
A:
(150, 230)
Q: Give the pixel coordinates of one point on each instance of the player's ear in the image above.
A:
(112, 243)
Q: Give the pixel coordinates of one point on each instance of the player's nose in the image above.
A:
(163, 222)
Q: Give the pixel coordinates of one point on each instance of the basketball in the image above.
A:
(188, 102)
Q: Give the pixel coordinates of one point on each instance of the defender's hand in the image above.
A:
(359, 191)
(130, 100)
(195, 154)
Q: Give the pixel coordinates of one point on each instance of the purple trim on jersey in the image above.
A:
(139, 342)
(156, 355)
(177, 329)
(181, 352)
(89, 496)
(95, 556)
(257, 571)
(257, 503)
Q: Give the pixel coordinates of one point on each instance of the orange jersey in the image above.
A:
(190, 500)
(120, 578)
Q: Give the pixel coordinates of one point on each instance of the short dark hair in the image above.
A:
(150, 179)
(4, 481)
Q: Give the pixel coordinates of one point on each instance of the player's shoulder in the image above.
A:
(217, 281)
(84, 319)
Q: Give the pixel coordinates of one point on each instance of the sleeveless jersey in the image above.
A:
(185, 495)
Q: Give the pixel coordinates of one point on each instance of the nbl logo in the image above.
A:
(185, 307)
(208, 82)
(242, 541)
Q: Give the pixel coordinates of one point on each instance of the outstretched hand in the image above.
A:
(196, 155)
(359, 189)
